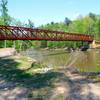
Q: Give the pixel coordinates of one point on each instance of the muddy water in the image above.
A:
(84, 61)
(89, 61)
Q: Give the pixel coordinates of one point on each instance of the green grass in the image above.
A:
(59, 97)
(98, 67)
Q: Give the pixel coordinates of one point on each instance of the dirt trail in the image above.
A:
(77, 88)
(74, 87)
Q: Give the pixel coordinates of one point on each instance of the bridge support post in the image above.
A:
(5, 43)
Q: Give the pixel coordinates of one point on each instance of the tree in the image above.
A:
(92, 15)
(52, 23)
(67, 21)
(4, 15)
(30, 24)
(4, 12)
(98, 28)
(76, 26)
(16, 22)
(88, 25)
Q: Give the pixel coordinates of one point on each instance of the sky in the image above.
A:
(46, 11)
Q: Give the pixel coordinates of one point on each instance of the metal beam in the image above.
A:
(22, 33)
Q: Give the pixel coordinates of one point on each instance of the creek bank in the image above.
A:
(67, 49)
(12, 52)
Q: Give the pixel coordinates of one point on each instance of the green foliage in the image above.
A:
(98, 28)
(92, 15)
(30, 24)
(67, 21)
(4, 12)
(43, 44)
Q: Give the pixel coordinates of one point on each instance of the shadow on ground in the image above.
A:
(9, 72)
(42, 83)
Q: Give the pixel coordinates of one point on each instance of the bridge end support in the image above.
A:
(94, 44)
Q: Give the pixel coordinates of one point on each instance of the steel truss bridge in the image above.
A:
(22, 33)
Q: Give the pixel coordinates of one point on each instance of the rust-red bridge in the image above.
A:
(22, 33)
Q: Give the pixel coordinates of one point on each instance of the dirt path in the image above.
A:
(83, 89)
(75, 87)
(79, 88)
(10, 91)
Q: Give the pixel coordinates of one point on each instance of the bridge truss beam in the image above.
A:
(22, 33)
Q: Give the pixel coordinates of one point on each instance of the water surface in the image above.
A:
(88, 61)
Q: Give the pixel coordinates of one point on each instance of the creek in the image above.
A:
(88, 61)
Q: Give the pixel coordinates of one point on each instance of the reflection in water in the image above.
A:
(88, 60)
(85, 61)
(58, 60)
